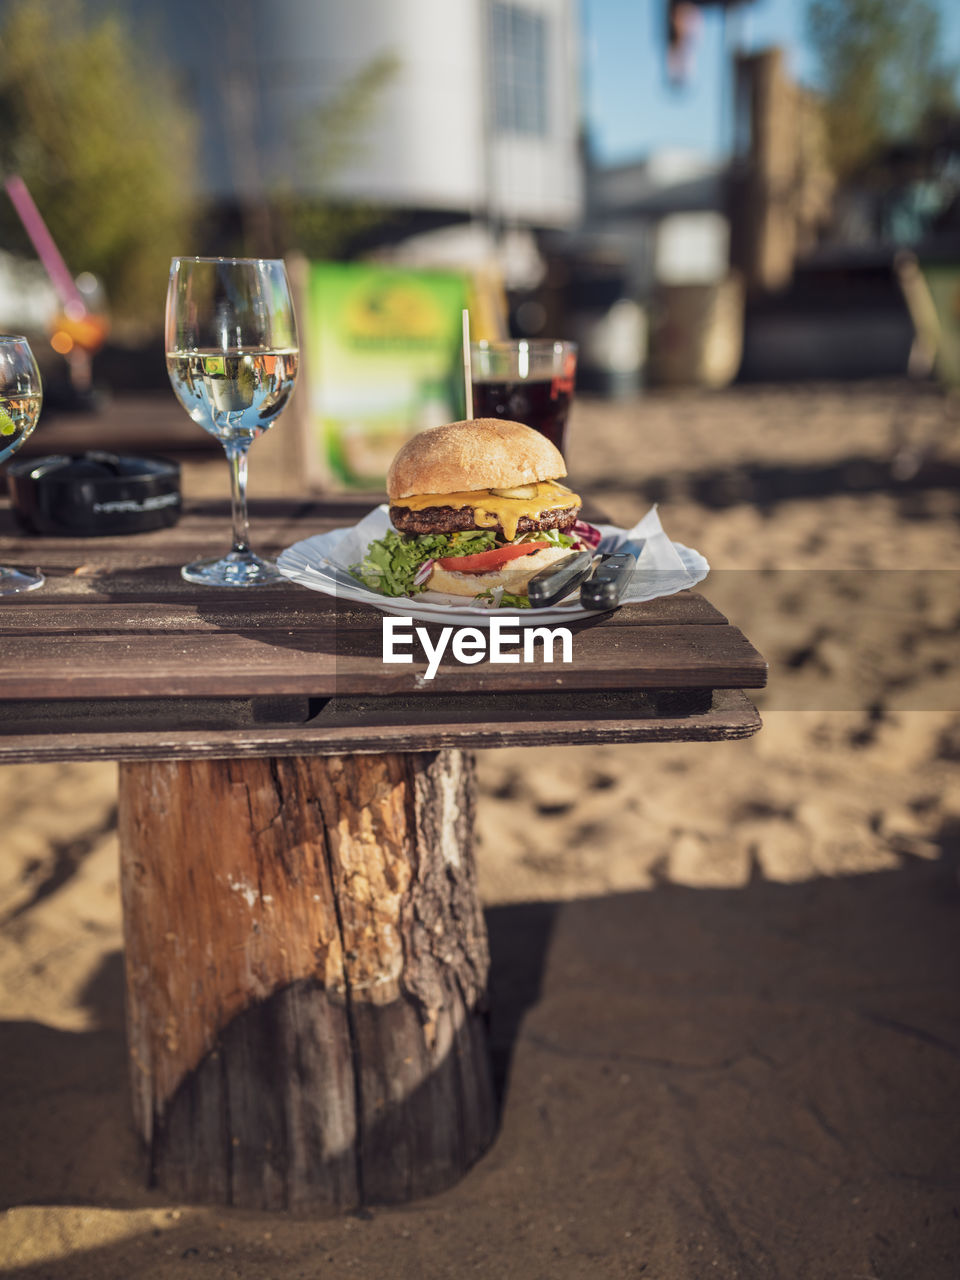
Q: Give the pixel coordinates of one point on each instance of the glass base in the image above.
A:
(237, 569)
(15, 581)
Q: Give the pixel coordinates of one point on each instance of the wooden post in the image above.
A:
(766, 188)
(305, 957)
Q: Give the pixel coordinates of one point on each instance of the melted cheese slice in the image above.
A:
(491, 510)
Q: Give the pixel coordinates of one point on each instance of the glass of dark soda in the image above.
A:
(529, 381)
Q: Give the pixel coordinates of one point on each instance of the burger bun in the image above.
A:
(481, 453)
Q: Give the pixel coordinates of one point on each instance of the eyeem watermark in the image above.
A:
(474, 644)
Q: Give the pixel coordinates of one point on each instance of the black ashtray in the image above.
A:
(91, 494)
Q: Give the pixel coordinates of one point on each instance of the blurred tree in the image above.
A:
(881, 71)
(325, 143)
(94, 129)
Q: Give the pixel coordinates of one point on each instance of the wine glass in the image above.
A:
(232, 357)
(21, 396)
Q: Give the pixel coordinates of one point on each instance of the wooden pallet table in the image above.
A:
(305, 952)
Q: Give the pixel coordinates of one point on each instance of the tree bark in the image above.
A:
(306, 959)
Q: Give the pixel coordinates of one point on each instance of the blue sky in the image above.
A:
(632, 109)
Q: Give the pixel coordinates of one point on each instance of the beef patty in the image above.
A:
(450, 519)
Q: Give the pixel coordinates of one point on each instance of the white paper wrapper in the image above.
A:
(655, 553)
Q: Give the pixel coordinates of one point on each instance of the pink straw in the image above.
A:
(43, 242)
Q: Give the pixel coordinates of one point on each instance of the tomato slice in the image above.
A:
(485, 561)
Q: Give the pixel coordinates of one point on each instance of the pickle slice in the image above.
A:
(521, 491)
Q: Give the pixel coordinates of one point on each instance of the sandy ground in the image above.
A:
(725, 976)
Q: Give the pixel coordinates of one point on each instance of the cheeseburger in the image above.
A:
(477, 509)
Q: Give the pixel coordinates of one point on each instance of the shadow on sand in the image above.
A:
(766, 485)
(765, 1076)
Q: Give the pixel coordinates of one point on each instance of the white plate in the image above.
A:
(307, 563)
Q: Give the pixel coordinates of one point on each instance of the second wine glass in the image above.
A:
(21, 396)
(232, 356)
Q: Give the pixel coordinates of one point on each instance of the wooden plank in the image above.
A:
(373, 725)
(274, 524)
(322, 661)
(149, 715)
(160, 586)
(186, 608)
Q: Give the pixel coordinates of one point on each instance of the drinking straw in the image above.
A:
(47, 251)
(467, 377)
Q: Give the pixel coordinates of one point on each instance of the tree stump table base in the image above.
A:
(306, 961)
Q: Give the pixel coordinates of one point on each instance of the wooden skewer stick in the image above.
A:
(467, 374)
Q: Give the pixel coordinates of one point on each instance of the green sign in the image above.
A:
(383, 354)
(943, 281)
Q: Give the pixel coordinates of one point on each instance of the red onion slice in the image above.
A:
(587, 533)
(423, 573)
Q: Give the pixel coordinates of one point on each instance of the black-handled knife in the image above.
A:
(563, 576)
(612, 577)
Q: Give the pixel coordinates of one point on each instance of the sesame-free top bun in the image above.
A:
(481, 453)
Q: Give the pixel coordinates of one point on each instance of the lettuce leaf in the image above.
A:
(506, 601)
(553, 536)
(391, 562)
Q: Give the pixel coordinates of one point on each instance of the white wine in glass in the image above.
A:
(21, 396)
(232, 356)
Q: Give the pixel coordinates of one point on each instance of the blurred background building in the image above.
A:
(472, 106)
(695, 190)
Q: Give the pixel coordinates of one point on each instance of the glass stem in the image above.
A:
(238, 500)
